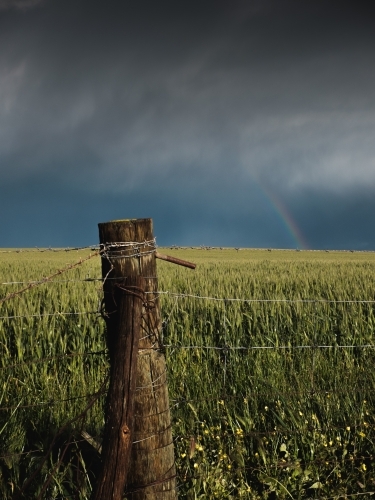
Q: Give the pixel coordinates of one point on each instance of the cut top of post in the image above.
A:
(128, 247)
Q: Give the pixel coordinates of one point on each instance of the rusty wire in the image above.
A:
(48, 278)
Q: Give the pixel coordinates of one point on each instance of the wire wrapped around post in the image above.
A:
(128, 249)
(124, 328)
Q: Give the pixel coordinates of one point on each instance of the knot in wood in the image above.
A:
(125, 430)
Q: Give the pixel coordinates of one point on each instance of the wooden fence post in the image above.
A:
(117, 440)
(128, 250)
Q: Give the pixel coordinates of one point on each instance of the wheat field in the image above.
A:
(270, 368)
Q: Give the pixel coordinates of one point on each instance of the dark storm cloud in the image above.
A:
(201, 103)
(19, 4)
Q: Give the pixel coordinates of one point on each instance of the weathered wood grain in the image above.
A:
(152, 467)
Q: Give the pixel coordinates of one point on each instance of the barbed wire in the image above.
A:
(234, 299)
(102, 246)
(41, 281)
(82, 280)
(46, 279)
(108, 251)
(226, 348)
(50, 249)
(178, 295)
(116, 249)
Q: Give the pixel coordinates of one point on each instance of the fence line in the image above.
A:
(50, 249)
(233, 299)
(178, 247)
(82, 280)
(177, 295)
(40, 282)
(184, 295)
(45, 280)
(224, 348)
(107, 251)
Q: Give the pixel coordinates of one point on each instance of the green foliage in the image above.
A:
(290, 420)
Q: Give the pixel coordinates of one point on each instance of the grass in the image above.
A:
(267, 415)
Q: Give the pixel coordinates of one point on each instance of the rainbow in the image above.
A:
(284, 215)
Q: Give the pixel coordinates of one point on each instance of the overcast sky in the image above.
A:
(234, 123)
